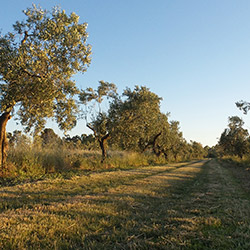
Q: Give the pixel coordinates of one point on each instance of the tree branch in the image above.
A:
(92, 130)
(105, 137)
(26, 35)
(30, 74)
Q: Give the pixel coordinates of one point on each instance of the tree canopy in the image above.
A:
(37, 62)
(243, 105)
(99, 122)
(234, 139)
(134, 116)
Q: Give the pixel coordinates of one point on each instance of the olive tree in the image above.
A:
(234, 139)
(135, 119)
(176, 140)
(37, 62)
(96, 119)
(49, 138)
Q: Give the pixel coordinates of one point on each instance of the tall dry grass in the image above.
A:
(29, 161)
(33, 162)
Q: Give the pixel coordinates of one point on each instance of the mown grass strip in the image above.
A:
(57, 190)
(171, 207)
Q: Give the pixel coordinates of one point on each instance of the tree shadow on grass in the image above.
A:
(126, 217)
(13, 199)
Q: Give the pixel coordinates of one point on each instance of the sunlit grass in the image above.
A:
(176, 206)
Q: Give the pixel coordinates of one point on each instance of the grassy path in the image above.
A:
(198, 205)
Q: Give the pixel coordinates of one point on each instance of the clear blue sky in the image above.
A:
(195, 54)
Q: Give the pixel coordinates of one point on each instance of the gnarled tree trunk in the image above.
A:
(151, 142)
(3, 138)
(102, 142)
(157, 152)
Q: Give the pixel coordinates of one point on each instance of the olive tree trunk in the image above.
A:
(3, 139)
(102, 143)
(150, 143)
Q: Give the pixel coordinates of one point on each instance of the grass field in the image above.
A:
(195, 205)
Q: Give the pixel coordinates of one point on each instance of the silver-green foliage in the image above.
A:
(135, 118)
(235, 139)
(96, 118)
(37, 62)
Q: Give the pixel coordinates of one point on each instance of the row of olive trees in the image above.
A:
(37, 62)
(133, 121)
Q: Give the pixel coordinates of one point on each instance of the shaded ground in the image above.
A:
(240, 172)
(198, 205)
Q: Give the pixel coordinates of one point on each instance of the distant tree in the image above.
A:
(88, 141)
(212, 152)
(73, 142)
(49, 137)
(176, 139)
(184, 150)
(207, 150)
(197, 150)
(18, 139)
(234, 139)
(37, 62)
(80, 142)
(76, 139)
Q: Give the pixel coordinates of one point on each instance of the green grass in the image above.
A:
(196, 205)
